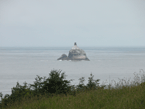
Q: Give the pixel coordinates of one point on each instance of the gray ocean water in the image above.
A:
(23, 64)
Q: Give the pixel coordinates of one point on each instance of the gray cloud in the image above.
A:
(60, 23)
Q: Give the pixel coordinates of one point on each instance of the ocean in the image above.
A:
(106, 63)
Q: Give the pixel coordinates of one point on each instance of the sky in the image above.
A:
(60, 23)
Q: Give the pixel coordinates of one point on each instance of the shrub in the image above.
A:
(54, 84)
(18, 93)
(92, 84)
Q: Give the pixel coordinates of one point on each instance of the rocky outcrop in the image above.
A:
(63, 57)
(74, 54)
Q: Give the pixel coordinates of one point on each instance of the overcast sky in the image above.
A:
(48, 23)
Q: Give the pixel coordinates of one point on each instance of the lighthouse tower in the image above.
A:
(75, 46)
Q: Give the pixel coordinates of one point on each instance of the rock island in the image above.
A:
(74, 54)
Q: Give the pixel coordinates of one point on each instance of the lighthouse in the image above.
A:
(75, 46)
(75, 54)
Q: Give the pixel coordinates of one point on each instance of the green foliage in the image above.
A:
(125, 98)
(54, 84)
(18, 93)
(92, 84)
(38, 84)
(81, 86)
(51, 92)
(1, 95)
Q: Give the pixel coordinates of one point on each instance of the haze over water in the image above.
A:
(23, 64)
